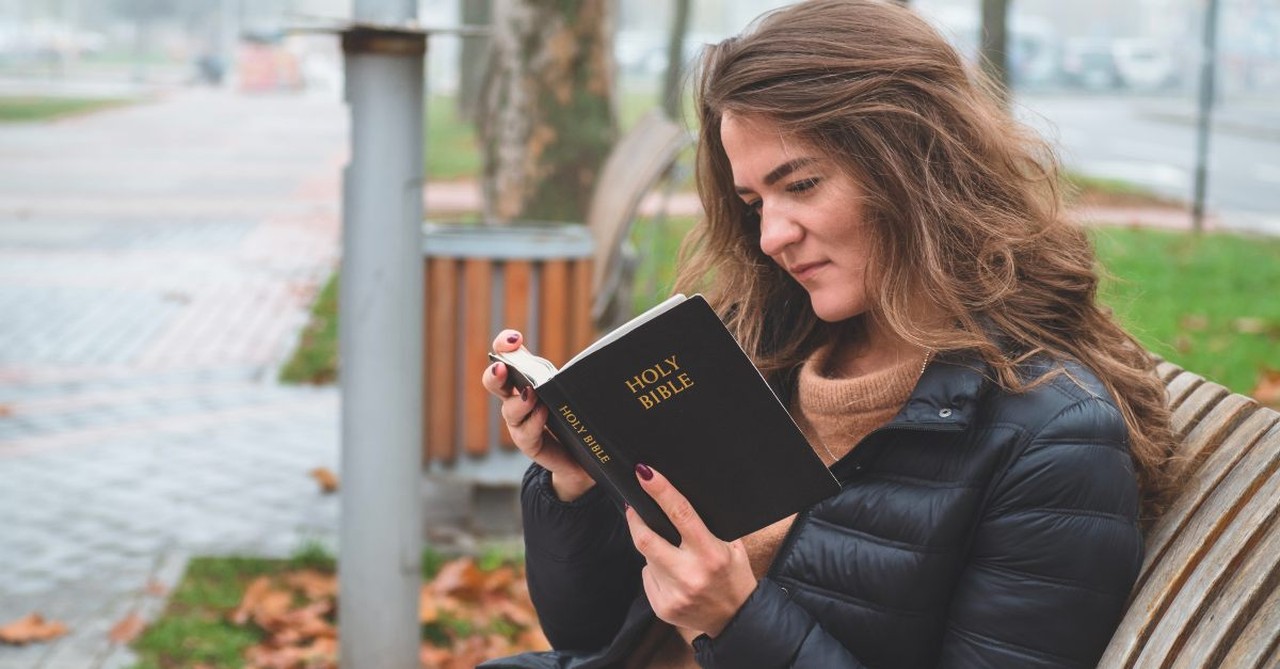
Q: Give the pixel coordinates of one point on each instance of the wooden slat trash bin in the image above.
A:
(478, 279)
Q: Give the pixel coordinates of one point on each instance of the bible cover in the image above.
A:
(673, 389)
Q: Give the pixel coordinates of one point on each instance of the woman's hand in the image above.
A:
(525, 418)
(699, 585)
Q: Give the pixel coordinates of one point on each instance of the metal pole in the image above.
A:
(1208, 66)
(380, 335)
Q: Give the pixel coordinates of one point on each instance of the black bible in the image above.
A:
(673, 389)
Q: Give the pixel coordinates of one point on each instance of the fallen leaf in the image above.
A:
(327, 479)
(127, 629)
(1268, 389)
(1194, 322)
(1182, 343)
(1250, 325)
(313, 584)
(252, 595)
(428, 611)
(156, 589)
(460, 578)
(32, 628)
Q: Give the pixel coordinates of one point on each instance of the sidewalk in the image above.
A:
(156, 264)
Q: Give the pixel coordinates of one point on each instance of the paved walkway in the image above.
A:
(156, 264)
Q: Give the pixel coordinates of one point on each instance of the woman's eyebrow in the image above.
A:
(780, 172)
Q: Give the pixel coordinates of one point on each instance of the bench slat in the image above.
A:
(1249, 582)
(1203, 481)
(1202, 536)
(1258, 646)
(1180, 387)
(1247, 519)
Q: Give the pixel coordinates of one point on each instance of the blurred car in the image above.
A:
(1143, 64)
(1090, 64)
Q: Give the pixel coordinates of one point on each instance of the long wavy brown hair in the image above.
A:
(964, 204)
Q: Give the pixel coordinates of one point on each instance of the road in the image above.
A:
(1151, 142)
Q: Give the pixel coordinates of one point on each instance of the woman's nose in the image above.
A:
(777, 231)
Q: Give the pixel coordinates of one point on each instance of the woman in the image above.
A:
(889, 247)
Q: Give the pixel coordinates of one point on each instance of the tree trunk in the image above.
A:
(995, 44)
(671, 87)
(475, 52)
(546, 119)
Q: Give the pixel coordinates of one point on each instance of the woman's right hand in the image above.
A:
(526, 419)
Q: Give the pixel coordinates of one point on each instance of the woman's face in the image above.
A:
(810, 211)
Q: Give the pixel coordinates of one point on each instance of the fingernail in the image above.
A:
(524, 394)
(513, 338)
(493, 369)
(644, 471)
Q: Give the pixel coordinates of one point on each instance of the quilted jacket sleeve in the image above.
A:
(582, 568)
(1056, 553)
(771, 631)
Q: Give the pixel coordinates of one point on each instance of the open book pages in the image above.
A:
(538, 369)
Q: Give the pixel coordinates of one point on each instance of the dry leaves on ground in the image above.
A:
(468, 615)
(32, 628)
(1268, 389)
(127, 629)
(326, 478)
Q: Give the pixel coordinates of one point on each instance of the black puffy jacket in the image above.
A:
(978, 528)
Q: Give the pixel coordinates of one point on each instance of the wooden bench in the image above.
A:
(1208, 594)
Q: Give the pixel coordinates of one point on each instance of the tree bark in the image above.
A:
(475, 51)
(546, 119)
(671, 87)
(995, 44)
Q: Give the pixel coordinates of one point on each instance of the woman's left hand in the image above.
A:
(698, 585)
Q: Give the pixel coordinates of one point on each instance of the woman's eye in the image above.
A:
(802, 185)
(755, 206)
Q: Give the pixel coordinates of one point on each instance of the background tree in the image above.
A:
(546, 119)
(995, 44)
(671, 82)
(475, 54)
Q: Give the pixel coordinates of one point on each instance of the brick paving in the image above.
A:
(156, 264)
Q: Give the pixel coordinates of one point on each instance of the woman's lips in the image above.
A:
(805, 271)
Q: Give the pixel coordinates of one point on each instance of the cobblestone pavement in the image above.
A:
(156, 264)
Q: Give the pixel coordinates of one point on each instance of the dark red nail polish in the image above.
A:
(493, 369)
(511, 339)
(524, 394)
(644, 471)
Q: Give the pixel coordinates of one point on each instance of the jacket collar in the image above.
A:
(946, 396)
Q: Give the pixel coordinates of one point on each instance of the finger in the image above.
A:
(517, 408)
(678, 509)
(657, 551)
(507, 340)
(494, 379)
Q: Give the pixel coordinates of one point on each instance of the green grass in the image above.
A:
(1206, 303)
(1083, 189)
(316, 358)
(19, 109)
(194, 628)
